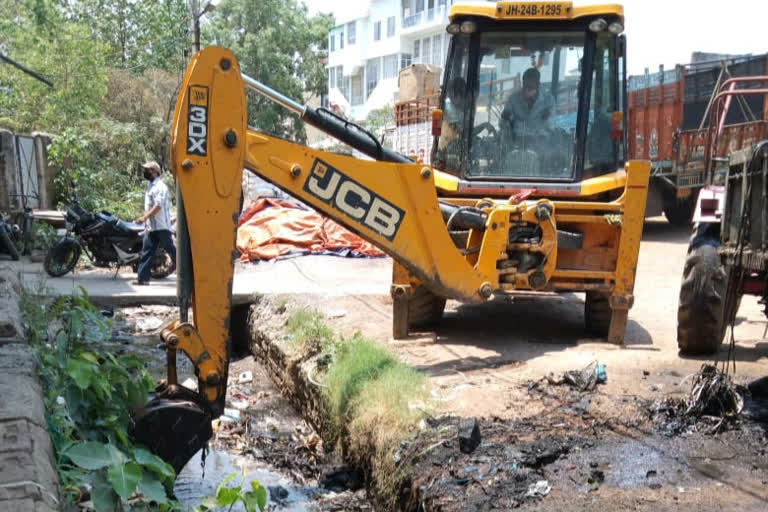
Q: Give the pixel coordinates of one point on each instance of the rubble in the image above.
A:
(584, 380)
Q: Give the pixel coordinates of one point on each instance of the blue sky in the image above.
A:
(667, 31)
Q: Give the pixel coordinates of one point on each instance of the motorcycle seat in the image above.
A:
(131, 226)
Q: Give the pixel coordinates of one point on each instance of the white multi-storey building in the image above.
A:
(373, 41)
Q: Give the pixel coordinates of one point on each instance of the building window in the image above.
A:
(333, 42)
(357, 90)
(371, 75)
(419, 6)
(377, 31)
(331, 77)
(441, 2)
(351, 32)
(416, 51)
(390, 66)
(341, 40)
(437, 47)
(426, 50)
(390, 26)
(405, 60)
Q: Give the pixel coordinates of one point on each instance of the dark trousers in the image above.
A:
(152, 240)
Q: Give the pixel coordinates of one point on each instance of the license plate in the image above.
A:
(534, 9)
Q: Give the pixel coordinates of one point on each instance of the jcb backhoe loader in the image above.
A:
(528, 189)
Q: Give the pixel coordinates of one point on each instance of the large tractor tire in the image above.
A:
(679, 211)
(422, 309)
(597, 314)
(701, 320)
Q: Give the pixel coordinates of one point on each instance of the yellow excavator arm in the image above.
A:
(391, 201)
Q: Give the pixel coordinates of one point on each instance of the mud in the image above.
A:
(587, 460)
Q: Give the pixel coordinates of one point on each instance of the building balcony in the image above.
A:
(424, 20)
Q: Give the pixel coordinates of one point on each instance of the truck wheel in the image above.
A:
(700, 314)
(597, 313)
(679, 211)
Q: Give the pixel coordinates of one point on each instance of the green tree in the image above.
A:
(139, 34)
(279, 45)
(37, 35)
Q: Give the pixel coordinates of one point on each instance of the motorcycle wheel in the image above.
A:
(62, 257)
(7, 244)
(162, 264)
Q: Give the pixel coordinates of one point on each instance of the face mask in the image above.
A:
(147, 175)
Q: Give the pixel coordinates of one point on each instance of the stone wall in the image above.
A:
(28, 479)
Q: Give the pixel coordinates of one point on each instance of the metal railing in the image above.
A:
(412, 20)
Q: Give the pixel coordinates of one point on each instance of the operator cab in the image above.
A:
(533, 93)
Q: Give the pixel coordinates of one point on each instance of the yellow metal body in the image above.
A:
(500, 11)
(392, 205)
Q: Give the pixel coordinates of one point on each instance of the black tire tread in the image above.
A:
(7, 244)
(700, 322)
(424, 307)
(49, 259)
(597, 313)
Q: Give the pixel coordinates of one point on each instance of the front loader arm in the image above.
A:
(392, 205)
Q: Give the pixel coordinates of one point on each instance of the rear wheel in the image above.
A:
(162, 264)
(62, 257)
(701, 320)
(679, 211)
(597, 313)
(421, 309)
(424, 307)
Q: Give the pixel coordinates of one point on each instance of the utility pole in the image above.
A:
(196, 15)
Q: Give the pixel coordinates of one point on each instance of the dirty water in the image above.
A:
(260, 436)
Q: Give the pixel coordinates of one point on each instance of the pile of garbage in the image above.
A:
(713, 403)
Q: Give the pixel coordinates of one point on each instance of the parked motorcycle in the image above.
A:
(105, 239)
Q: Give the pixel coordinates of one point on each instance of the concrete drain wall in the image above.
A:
(28, 479)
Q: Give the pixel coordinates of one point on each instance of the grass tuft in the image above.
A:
(308, 331)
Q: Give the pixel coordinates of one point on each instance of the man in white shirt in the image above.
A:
(157, 218)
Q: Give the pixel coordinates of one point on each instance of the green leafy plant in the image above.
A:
(88, 398)
(42, 236)
(252, 499)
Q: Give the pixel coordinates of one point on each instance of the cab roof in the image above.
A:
(533, 10)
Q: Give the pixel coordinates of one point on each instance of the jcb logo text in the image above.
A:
(346, 195)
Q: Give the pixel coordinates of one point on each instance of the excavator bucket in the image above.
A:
(172, 427)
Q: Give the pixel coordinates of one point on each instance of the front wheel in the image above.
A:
(62, 257)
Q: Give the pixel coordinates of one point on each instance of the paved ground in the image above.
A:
(316, 275)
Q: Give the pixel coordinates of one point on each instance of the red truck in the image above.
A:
(667, 119)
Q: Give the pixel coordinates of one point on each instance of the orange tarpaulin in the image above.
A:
(272, 228)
